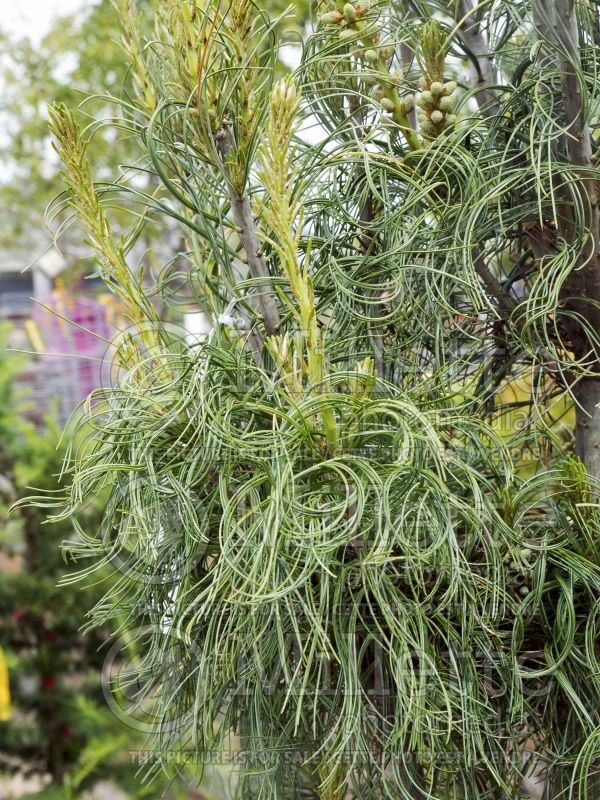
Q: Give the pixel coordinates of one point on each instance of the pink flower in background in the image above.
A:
(73, 332)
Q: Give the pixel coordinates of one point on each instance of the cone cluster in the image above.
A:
(349, 14)
(520, 571)
(435, 105)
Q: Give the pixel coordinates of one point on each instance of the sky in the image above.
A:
(33, 17)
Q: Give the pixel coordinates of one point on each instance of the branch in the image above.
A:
(254, 338)
(579, 141)
(567, 36)
(244, 219)
(365, 218)
(407, 55)
(471, 34)
(493, 285)
(556, 23)
(406, 58)
(508, 304)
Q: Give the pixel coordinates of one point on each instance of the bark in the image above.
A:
(475, 41)
(366, 216)
(556, 24)
(407, 57)
(257, 266)
(587, 442)
(505, 301)
(579, 151)
(472, 36)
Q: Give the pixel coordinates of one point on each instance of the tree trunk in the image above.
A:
(587, 435)
(556, 21)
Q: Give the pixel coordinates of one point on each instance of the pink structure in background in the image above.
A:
(73, 366)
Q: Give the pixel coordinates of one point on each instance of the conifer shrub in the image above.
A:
(349, 526)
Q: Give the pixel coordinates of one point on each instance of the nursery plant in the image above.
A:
(356, 527)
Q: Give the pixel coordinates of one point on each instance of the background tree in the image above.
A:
(79, 62)
(78, 57)
(342, 553)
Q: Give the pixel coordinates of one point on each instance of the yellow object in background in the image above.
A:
(4, 689)
(557, 411)
(35, 336)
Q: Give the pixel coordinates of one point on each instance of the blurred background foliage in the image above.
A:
(79, 62)
(79, 56)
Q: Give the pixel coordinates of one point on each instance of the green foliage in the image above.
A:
(78, 57)
(79, 62)
(39, 630)
(59, 722)
(332, 550)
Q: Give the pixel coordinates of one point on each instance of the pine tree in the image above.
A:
(360, 542)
